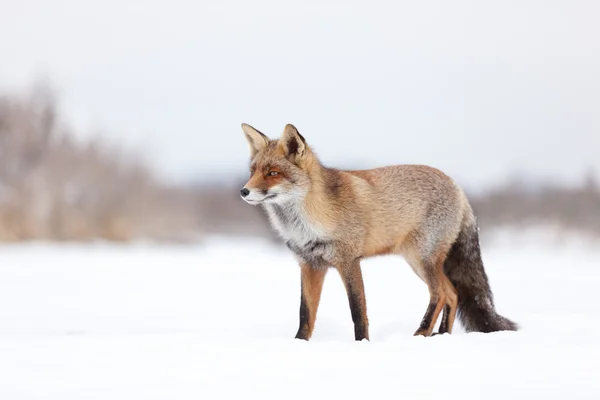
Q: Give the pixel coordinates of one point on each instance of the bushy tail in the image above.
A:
(464, 268)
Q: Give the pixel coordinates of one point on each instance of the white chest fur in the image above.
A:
(308, 241)
(293, 225)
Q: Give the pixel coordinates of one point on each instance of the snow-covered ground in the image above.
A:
(218, 321)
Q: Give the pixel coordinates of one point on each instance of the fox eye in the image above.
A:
(273, 173)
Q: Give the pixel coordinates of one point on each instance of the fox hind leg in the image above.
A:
(433, 275)
(449, 313)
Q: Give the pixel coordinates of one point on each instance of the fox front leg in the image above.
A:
(353, 282)
(310, 295)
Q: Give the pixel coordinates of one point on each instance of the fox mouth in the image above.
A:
(254, 202)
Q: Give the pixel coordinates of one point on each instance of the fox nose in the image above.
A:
(244, 192)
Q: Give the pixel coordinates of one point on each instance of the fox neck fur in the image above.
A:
(297, 224)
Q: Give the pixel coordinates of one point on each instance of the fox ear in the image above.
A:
(256, 139)
(292, 142)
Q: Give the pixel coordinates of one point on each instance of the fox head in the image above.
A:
(278, 168)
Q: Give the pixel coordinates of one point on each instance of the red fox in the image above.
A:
(336, 218)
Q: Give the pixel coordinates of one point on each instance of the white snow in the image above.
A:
(217, 321)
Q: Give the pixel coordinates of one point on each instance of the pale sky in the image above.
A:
(478, 89)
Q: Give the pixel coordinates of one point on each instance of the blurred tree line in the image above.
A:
(519, 205)
(54, 187)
